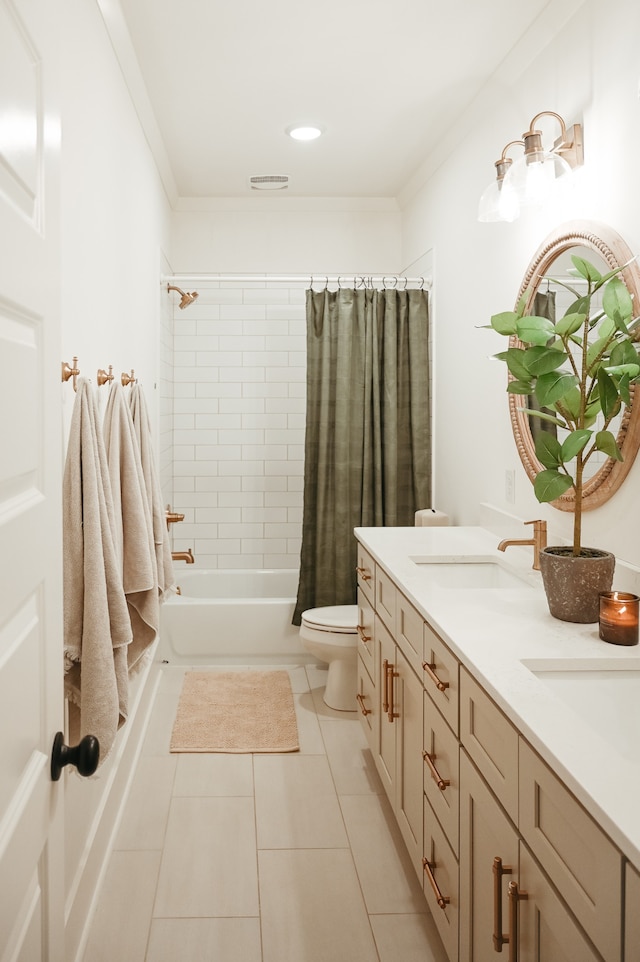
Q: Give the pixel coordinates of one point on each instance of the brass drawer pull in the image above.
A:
(360, 699)
(385, 679)
(498, 871)
(430, 670)
(390, 674)
(441, 782)
(361, 635)
(442, 900)
(364, 573)
(514, 896)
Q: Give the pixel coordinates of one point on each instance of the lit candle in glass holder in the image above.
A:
(619, 617)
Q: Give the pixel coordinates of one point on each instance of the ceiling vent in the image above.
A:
(269, 182)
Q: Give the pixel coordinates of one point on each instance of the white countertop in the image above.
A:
(496, 634)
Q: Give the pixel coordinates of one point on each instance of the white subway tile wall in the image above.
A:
(239, 396)
(166, 402)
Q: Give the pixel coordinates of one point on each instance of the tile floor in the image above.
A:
(261, 858)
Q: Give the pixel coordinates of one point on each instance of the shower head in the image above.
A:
(186, 296)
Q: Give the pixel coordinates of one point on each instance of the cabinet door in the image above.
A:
(545, 929)
(385, 656)
(409, 794)
(486, 834)
(368, 709)
(441, 775)
(632, 914)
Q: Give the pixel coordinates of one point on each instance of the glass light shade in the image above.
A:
(495, 205)
(532, 185)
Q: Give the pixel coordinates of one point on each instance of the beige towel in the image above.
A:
(134, 528)
(97, 628)
(142, 428)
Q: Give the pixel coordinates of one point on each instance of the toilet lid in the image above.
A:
(335, 618)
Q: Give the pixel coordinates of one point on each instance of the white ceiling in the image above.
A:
(385, 78)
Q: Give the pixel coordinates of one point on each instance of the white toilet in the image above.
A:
(330, 634)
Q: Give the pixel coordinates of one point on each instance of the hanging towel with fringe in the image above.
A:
(142, 428)
(97, 628)
(134, 529)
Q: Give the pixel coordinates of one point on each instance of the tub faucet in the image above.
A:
(539, 541)
(183, 556)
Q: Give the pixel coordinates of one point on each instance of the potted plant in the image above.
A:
(579, 369)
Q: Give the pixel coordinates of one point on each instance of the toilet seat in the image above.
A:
(339, 619)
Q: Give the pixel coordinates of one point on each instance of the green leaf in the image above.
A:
(606, 442)
(617, 303)
(519, 387)
(596, 354)
(542, 360)
(534, 330)
(586, 269)
(552, 387)
(624, 353)
(623, 389)
(544, 417)
(569, 324)
(608, 393)
(522, 303)
(505, 323)
(574, 444)
(632, 370)
(548, 450)
(550, 484)
(514, 359)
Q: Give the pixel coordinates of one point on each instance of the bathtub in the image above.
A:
(232, 617)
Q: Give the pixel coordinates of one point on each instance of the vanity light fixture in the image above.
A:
(530, 180)
(496, 205)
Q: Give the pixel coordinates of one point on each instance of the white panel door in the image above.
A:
(31, 701)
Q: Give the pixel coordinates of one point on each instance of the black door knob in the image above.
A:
(85, 755)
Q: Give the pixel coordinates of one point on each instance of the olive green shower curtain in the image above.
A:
(368, 442)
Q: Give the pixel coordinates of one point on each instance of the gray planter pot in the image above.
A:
(573, 585)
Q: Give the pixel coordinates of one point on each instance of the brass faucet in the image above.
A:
(183, 556)
(172, 517)
(539, 541)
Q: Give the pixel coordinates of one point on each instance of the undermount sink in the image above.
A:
(467, 575)
(605, 697)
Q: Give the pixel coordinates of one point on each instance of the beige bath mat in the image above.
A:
(235, 712)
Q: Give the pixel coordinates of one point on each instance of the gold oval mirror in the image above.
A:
(544, 291)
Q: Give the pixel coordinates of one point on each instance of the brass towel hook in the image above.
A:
(103, 377)
(128, 378)
(71, 372)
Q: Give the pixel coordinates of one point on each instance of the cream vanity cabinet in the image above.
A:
(536, 872)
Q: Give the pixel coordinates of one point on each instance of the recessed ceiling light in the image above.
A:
(304, 131)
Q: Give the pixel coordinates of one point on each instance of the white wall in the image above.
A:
(115, 224)
(588, 73)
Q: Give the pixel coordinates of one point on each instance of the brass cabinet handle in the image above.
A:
(361, 635)
(363, 708)
(498, 871)
(390, 675)
(441, 782)
(364, 573)
(442, 900)
(385, 678)
(430, 670)
(514, 896)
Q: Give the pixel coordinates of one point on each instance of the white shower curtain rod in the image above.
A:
(342, 280)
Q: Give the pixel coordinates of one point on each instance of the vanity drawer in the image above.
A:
(491, 741)
(366, 568)
(409, 632)
(385, 603)
(440, 676)
(441, 881)
(577, 856)
(367, 706)
(442, 771)
(366, 646)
